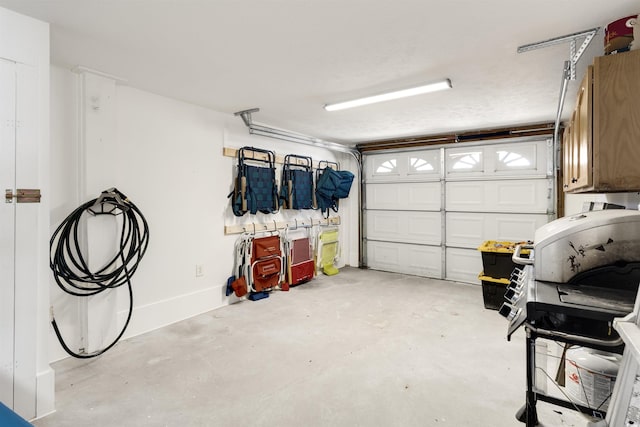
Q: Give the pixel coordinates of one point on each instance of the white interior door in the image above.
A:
(19, 237)
(26, 379)
(27, 176)
(7, 229)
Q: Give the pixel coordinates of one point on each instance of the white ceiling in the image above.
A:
(290, 57)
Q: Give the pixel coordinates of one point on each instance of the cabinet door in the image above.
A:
(579, 150)
(583, 134)
(567, 156)
(616, 122)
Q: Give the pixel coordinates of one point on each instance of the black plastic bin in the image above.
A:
(493, 291)
(496, 258)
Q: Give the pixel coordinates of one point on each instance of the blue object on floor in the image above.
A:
(229, 290)
(255, 296)
(8, 418)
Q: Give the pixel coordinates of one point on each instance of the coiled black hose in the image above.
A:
(70, 269)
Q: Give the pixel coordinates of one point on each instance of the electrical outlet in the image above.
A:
(199, 270)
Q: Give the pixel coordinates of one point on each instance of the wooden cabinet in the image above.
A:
(601, 144)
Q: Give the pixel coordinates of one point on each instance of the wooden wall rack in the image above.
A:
(254, 227)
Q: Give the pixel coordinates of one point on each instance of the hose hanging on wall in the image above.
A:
(70, 268)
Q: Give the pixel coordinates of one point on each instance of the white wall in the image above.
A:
(168, 160)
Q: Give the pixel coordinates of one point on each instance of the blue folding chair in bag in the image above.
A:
(332, 184)
(255, 187)
(296, 185)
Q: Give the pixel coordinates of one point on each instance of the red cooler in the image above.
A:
(618, 35)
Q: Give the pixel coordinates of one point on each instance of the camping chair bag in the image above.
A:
(344, 186)
(302, 189)
(326, 186)
(266, 273)
(266, 262)
(255, 188)
(296, 190)
(265, 246)
(301, 263)
(261, 194)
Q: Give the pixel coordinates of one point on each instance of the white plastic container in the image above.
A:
(590, 376)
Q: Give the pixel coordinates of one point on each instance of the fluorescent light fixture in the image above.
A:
(403, 93)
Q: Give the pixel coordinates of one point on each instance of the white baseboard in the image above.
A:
(156, 315)
(149, 317)
(45, 386)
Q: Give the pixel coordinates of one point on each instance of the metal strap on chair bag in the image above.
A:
(255, 187)
(296, 185)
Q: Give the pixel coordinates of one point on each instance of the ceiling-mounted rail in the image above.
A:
(285, 135)
(569, 69)
(574, 55)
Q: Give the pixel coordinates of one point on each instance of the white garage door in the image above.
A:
(427, 212)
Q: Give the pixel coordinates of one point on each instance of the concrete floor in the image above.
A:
(362, 348)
